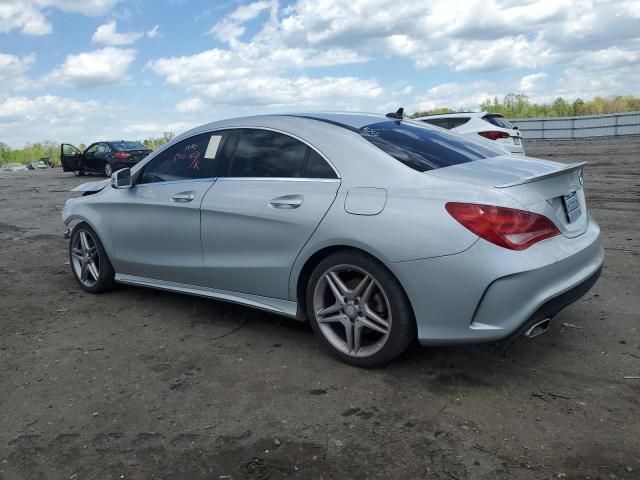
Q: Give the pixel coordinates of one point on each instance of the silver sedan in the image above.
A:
(376, 229)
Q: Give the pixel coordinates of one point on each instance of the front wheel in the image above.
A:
(359, 310)
(89, 262)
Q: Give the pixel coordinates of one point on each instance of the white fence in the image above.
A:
(579, 127)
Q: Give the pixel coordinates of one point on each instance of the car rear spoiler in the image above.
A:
(561, 171)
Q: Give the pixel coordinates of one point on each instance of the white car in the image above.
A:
(12, 167)
(480, 126)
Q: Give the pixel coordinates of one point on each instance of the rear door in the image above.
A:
(257, 218)
(155, 225)
(70, 157)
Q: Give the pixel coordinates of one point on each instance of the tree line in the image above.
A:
(518, 105)
(33, 152)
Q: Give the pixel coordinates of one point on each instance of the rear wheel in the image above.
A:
(89, 262)
(108, 169)
(359, 310)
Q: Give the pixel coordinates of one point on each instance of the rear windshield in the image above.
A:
(128, 146)
(498, 121)
(423, 148)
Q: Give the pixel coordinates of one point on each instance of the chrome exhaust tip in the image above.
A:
(537, 328)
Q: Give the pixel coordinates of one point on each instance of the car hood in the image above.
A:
(91, 186)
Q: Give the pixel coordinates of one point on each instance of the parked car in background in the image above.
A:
(102, 157)
(377, 229)
(12, 167)
(39, 165)
(480, 126)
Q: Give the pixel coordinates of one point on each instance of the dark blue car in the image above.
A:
(102, 157)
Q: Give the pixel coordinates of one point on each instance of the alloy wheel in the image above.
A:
(85, 258)
(352, 310)
(108, 169)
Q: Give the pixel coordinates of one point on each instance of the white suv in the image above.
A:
(492, 126)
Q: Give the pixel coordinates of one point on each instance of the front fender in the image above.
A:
(85, 209)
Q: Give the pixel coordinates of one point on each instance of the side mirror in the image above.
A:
(122, 178)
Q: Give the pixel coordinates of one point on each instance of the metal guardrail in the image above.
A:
(609, 125)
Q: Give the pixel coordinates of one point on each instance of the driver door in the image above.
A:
(70, 157)
(155, 225)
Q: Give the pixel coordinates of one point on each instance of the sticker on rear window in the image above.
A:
(370, 132)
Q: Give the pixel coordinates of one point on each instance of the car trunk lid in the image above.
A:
(549, 188)
(137, 155)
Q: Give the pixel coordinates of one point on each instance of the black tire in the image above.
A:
(402, 330)
(106, 274)
(108, 170)
(79, 173)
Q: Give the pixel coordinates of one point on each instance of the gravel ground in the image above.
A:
(146, 384)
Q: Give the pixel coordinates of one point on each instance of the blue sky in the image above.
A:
(84, 70)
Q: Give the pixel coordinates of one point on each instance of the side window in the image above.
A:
(103, 148)
(262, 153)
(92, 148)
(317, 167)
(195, 157)
(439, 122)
(456, 122)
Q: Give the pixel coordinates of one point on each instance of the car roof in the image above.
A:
(333, 134)
(349, 120)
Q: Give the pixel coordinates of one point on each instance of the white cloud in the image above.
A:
(98, 67)
(231, 27)
(30, 16)
(459, 96)
(154, 32)
(250, 76)
(346, 92)
(194, 104)
(56, 118)
(157, 128)
(465, 35)
(13, 70)
(107, 34)
(23, 16)
(531, 83)
(264, 69)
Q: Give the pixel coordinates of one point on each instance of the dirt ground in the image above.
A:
(146, 384)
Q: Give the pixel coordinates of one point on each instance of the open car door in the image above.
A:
(70, 158)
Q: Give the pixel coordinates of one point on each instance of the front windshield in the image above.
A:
(424, 147)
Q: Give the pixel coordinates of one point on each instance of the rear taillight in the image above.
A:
(123, 155)
(494, 134)
(506, 227)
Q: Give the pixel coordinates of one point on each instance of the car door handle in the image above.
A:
(183, 197)
(287, 201)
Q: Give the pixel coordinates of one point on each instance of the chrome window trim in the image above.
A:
(186, 180)
(281, 179)
(168, 145)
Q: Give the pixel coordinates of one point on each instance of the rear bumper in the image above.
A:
(488, 293)
(557, 304)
